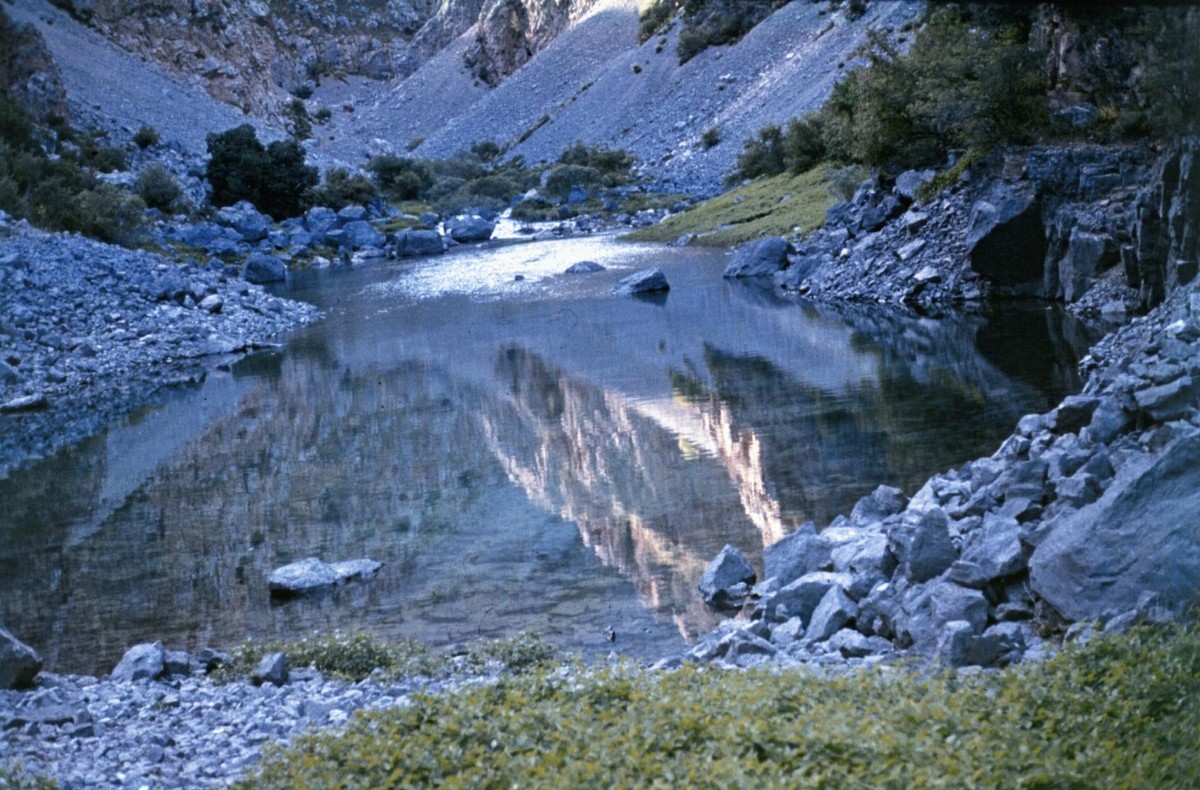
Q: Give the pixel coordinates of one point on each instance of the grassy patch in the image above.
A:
(1119, 713)
(776, 206)
(354, 656)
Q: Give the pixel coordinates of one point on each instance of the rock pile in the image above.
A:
(1087, 513)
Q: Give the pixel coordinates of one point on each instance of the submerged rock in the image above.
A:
(584, 267)
(762, 258)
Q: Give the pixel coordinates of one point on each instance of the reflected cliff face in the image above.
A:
(542, 457)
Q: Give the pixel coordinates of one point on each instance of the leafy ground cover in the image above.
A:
(782, 205)
(1120, 712)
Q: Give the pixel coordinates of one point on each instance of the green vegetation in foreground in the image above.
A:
(777, 206)
(354, 656)
(1121, 712)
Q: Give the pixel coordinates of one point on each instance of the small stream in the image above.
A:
(522, 454)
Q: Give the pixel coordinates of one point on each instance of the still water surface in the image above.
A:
(529, 454)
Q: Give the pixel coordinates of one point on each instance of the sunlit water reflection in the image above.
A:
(522, 454)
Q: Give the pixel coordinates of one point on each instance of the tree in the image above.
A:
(274, 178)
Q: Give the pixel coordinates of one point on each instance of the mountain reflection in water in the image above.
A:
(530, 454)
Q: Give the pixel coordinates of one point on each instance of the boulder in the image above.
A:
(927, 610)
(319, 220)
(468, 228)
(802, 596)
(910, 182)
(646, 281)
(884, 501)
(1005, 238)
(244, 218)
(356, 570)
(727, 579)
(1170, 401)
(262, 268)
(1141, 536)
(995, 548)
(361, 234)
(146, 661)
(350, 214)
(584, 267)
(797, 554)
(273, 669)
(922, 545)
(19, 663)
(419, 242)
(833, 612)
(301, 577)
(1088, 256)
(762, 258)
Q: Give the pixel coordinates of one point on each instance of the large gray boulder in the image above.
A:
(1005, 239)
(19, 663)
(146, 661)
(319, 220)
(921, 543)
(762, 258)
(249, 222)
(727, 579)
(262, 268)
(361, 234)
(412, 242)
(799, 553)
(311, 574)
(1142, 535)
(1088, 256)
(644, 282)
(468, 228)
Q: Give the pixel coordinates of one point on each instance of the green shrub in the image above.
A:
(534, 210)
(343, 189)
(322, 115)
(299, 124)
(157, 189)
(761, 156)
(400, 178)
(1120, 712)
(563, 178)
(711, 137)
(100, 157)
(274, 178)
(146, 136)
(108, 214)
(16, 128)
(654, 18)
(614, 165)
(1172, 70)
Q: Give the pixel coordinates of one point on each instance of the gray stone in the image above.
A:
(832, 614)
(1141, 535)
(646, 281)
(302, 576)
(348, 214)
(141, 662)
(469, 228)
(177, 663)
(910, 182)
(802, 596)
(884, 501)
(584, 267)
(319, 221)
(852, 644)
(356, 570)
(1088, 256)
(797, 554)
(952, 643)
(921, 543)
(363, 235)
(9, 376)
(728, 569)
(213, 303)
(787, 632)
(263, 268)
(419, 242)
(1074, 412)
(926, 609)
(19, 663)
(996, 547)
(1170, 401)
(34, 402)
(244, 218)
(927, 274)
(878, 611)
(1005, 238)
(273, 669)
(762, 258)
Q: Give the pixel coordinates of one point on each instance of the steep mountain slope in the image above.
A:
(595, 83)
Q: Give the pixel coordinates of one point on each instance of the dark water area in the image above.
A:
(522, 455)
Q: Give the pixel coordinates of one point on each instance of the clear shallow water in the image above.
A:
(531, 454)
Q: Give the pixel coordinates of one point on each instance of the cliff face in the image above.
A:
(28, 70)
(251, 53)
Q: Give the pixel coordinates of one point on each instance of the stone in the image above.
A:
(34, 402)
(469, 228)
(361, 234)
(646, 281)
(884, 501)
(356, 570)
(348, 214)
(728, 569)
(19, 663)
(852, 644)
(1171, 401)
(1005, 238)
(146, 661)
(250, 224)
(922, 545)
(787, 632)
(300, 577)
(1088, 256)
(584, 267)
(262, 268)
(926, 609)
(995, 547)
(952, 643)
(319, 221)
(912, 221)
(1074, 412)
(833, 612)
(212, 303)
(801, 597)
(273, 669)
(211, 659)
(926, 273)
(762, 258)
(177, 663)
(796, 554)
(1140, 536)
(910, 182)
(412, 242)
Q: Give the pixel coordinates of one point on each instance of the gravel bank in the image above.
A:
(88, 331)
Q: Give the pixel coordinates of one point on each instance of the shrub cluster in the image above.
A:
(274, 177)
(1120, 712)
(796, 150)
(710, 23)
(61, 192)
(343, 188)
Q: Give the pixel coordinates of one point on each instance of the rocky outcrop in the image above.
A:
(510, 32)
(19, 663)
(1164, 253)
(762, 258)
(28, 71)
(1085, 513)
